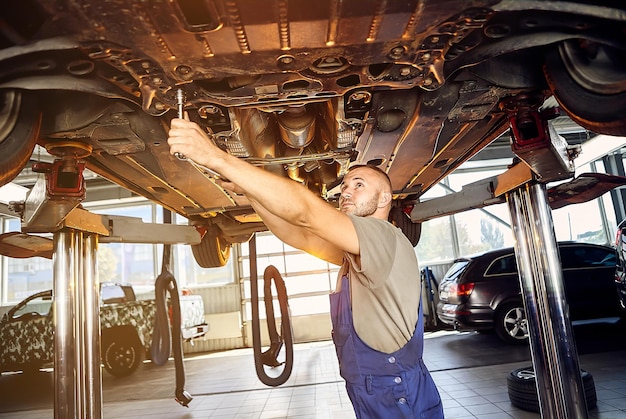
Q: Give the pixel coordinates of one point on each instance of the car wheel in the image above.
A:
(588, 78)
(523, 389)
(121, 355)
(510, 323)
(20, 122)
(213, 251)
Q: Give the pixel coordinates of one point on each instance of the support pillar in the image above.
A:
(552, 345)
(77, 366)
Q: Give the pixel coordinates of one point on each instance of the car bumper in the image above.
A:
(463, 318)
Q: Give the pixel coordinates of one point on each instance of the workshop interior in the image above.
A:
(501, 124)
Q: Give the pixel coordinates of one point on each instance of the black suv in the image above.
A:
(482, 292)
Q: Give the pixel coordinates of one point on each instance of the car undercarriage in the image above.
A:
(302, 89)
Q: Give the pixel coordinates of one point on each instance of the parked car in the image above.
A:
(620, 272)
(482, 292)
(303, 89)
(126, 326)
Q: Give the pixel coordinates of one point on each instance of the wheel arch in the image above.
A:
(20, 124)
(502, 299)
(125, 331)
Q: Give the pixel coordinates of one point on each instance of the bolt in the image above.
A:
(397, 51)
(405, 71)
(434, 39)
(183, 70)
(286, 59)
(426, 56)
(428, 81)
(357, 96)
(159, 106)
(210, 109)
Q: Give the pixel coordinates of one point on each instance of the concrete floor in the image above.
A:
(470, 370)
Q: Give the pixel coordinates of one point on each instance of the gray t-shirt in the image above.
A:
(384, 283)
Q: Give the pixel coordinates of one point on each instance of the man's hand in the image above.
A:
(188, 139)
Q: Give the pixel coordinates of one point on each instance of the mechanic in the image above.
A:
(376, 311)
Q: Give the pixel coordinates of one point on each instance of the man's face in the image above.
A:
(360, 191)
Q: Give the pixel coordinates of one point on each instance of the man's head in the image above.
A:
(366, 192)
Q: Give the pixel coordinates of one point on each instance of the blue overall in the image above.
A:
(381, 385)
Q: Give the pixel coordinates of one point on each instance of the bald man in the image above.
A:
(376, 313)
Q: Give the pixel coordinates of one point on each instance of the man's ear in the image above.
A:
(384, 199)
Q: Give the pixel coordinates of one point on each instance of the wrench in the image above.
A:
(180, 102)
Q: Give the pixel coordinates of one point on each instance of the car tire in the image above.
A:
(522, 389)
(213, 251)
(571, 71)
(121, 354)
(510, 323)
(20, 121)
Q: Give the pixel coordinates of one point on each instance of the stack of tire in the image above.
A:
(523, 390)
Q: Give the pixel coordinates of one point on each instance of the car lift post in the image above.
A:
(544, 157)
(77, 366)
(552, 346)
(77, 371)
(52, 206)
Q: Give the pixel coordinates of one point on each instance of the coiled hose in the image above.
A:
(161, 339)
(269, 357)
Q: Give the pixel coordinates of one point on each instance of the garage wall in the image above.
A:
(229, 328)
(222, 312)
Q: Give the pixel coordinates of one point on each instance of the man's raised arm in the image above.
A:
(281, 197)
(299, 237)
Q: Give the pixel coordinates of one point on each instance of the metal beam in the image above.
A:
(474, 195)
(598, 147)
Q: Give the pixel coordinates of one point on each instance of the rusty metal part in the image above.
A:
(69, 149)
(21, 245)
(536, 142)
(411, 86)
(59, 191)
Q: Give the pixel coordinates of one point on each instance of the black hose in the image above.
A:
(269, 357)
(161, 342)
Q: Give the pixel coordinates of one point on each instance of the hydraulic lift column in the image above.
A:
(552, 345)
(77, 372)
(52, 207)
